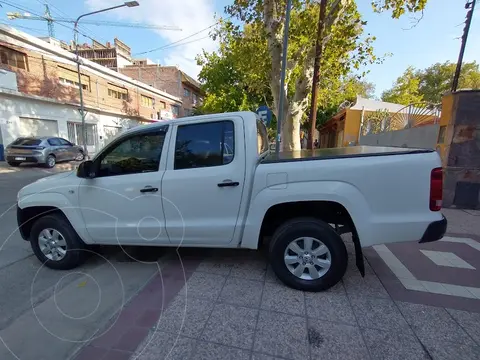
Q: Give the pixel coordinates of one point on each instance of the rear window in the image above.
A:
(27, 142)
(262, 138)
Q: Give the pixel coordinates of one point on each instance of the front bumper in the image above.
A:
(435, 231)
(21, 222)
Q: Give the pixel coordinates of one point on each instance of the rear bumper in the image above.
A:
(28, 158)
(435, 231)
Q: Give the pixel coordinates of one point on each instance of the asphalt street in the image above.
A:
(63, 308)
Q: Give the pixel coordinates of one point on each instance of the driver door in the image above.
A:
(122, 204)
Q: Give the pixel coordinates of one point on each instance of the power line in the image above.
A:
(185, 38)
(60, 12)
(40, 31)
(34, 13)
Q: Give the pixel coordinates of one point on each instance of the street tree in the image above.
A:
(405, 89)
(436, 80)
(256, 46)
(430, 84)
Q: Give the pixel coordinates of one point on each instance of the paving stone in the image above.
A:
(430, 322)
(329, 306)
(131, 339)
(242, 292)
(370, 285)
(117, 355)
(279, 297)
(470, 322)
(446, 350)
(378, 314)
(90, 352)
(281, 335)
(203, 285)
(258, 356)
(270, 276)
(253, 269)
(161, 345)
(386, 345)
(187, 316)
(209, 351)
(330, 340)
(231, 325)
(215, 266)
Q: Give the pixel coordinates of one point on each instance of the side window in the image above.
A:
(54, 142)
(204, 145)
(136, 154)
(64, 142)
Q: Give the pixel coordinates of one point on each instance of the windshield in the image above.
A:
(27, 142)
(262, 138)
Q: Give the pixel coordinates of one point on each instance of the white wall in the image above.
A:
(419, 137)
(14, 107)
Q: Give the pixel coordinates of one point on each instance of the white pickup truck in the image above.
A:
(211, 181)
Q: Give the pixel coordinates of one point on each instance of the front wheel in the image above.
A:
(80, 156)
(56, 244)
(307, 254)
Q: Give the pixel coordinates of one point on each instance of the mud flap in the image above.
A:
(359, 261)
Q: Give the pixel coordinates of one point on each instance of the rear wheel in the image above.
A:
(307, 254)
(56, 244)
(50, 161)
(13, 163)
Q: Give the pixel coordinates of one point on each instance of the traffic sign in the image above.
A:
(265, 114)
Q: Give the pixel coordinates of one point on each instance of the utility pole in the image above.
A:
(282, 76)
(312, 118)
(80, 88)
(470, 5)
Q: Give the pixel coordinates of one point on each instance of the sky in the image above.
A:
(436, 37)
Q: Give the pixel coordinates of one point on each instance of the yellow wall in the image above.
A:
(352, 126)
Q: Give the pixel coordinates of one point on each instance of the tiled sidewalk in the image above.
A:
(233, 307)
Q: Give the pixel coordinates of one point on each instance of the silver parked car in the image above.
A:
(43, 150)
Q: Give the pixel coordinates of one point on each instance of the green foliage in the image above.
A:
(375, 120)
(344, 89)
(430, 84)
(437, 79)
(405, 90)
(399, 7)
(245, 70)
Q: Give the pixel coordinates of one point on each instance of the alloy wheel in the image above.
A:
(307, 258)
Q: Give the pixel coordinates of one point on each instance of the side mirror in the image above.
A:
(86, 170)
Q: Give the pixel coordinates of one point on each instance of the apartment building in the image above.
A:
(112, 57)
(39, 94)
(170, 79)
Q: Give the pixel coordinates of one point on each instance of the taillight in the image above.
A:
(436, 189)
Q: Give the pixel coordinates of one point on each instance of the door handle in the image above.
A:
(228, 183)
(148, 189)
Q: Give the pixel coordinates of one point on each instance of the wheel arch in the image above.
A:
(32, 207)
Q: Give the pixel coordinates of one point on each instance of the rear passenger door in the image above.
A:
(57, 149)
(203, 184)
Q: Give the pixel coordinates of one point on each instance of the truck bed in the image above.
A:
(339, 153)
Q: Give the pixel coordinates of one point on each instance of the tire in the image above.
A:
(80, 156)
(292, 231)
(51, 161)
(75, 254)
(13, 163)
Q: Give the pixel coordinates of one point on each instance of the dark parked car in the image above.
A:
(42, 150)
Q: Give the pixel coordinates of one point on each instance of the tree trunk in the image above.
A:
(316, 73)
